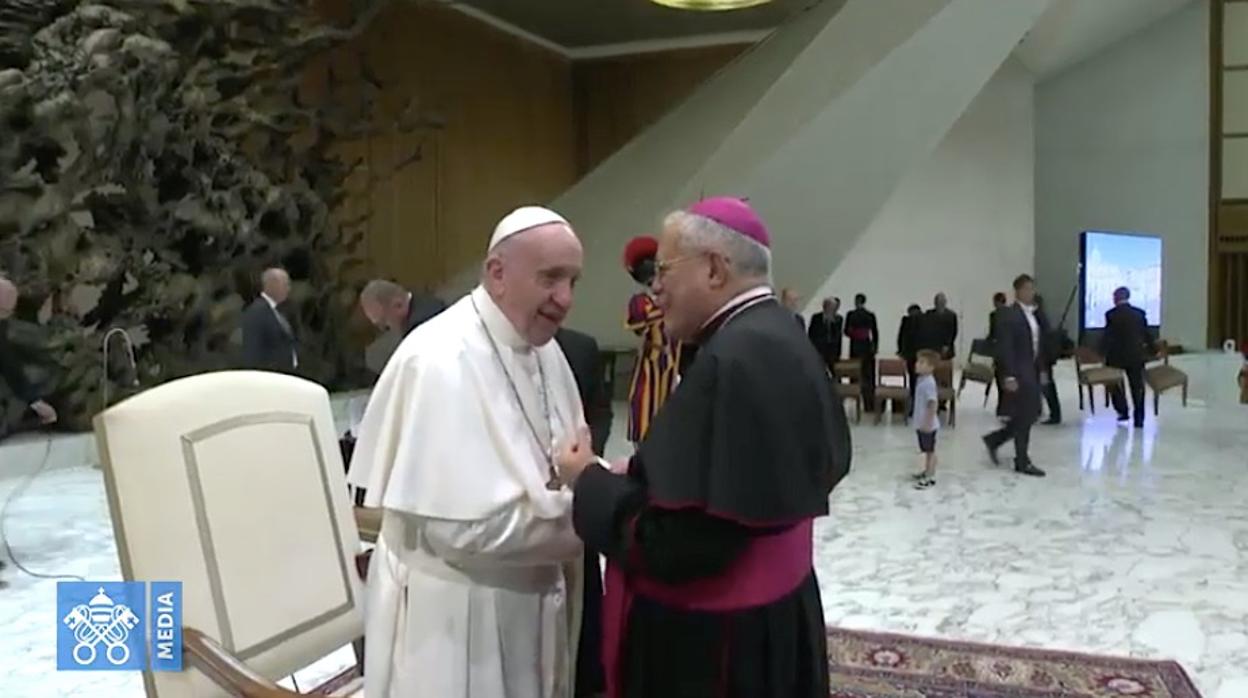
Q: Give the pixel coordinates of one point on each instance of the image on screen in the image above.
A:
(1111, 260)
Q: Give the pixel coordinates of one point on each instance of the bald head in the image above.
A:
(531, 274)
(385, 304)
(8, 298)
(275, 283)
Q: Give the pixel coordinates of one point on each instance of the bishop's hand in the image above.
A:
(574, 455)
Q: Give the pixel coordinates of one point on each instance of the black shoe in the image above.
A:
(1139, 425)
(1052, 422)
(992, 452)
(1028, 469)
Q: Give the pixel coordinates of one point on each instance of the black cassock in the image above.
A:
(734, 468)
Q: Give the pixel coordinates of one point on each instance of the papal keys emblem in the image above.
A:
(101, 622)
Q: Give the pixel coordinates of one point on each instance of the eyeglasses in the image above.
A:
(661, 268)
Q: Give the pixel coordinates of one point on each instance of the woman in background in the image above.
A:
(658, 358)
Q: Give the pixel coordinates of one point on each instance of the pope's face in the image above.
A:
(535, 278)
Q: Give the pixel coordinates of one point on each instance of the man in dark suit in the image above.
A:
(825, 331)
(10, 361)
(1020, 353)
(11, 367)
(269, 340)
(864, 344)
(389, 306)
(998, 302)
(1051, 349)
(1127, 344)
(583, 356)
(941, 328)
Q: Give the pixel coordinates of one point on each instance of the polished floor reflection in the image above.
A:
(1135, 544)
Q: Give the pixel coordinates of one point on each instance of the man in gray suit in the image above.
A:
(269, 340)
(1020, 346)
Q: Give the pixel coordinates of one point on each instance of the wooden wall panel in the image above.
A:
(505, 123)
(504, 134)
(617, 98)
(1228, 172)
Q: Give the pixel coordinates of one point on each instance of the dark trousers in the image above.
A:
(1135, 380)
(1022, 406)
(1018, 431)
(1050, 398)
(868, 381)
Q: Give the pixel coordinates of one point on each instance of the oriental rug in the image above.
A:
(882, 665)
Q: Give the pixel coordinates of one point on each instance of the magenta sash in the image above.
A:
(769, 569)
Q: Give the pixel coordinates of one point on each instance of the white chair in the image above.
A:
(232, 483)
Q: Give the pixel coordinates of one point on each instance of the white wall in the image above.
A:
(1122, 143)
(960, 222)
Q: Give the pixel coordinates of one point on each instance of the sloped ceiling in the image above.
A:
(1072, 30)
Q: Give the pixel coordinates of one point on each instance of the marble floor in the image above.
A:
(1135, 544)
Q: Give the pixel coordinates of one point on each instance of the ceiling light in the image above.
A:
(709, 5)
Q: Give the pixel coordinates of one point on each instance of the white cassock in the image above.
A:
(474, 588)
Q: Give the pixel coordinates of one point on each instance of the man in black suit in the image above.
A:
(1020, 353)
(941, 326)
(583, 356)
(1051, 348)
(11, 367)
(269, 340)
(864, 344)
(10, 361)
(389, 306)
(825, 331)
(1127, 344)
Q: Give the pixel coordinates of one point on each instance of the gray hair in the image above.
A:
(746, 257)
(381, 291)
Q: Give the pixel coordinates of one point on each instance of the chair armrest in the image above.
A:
(226, 671)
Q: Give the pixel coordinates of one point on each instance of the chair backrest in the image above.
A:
(1087, 356)
(943, 373)
(232, 483)
(983, 347)
(893, 368)
(848, 371)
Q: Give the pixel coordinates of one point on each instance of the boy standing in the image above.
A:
(927, 422)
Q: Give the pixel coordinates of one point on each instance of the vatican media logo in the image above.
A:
(103, 626)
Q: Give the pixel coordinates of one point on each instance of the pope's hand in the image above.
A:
(574, 456)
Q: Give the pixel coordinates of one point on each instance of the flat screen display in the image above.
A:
(1110, 260)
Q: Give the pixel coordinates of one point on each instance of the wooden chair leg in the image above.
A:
(953, 412)
(987, 390)
(1156, 403)
(1185, 393)
(1092, 399)
(1080, 397)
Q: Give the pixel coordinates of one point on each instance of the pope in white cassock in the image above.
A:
(474, 587)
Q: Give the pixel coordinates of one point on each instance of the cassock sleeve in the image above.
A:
(514, 536)
(673, 546)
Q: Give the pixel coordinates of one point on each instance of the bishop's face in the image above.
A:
(684, 286)
(535, 280)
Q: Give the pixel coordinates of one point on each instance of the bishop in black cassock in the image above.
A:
(711, 589)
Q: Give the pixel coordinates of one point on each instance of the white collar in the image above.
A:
(756, 292)
(272, 303)
(499, 327)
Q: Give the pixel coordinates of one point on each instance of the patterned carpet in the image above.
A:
(880, 665)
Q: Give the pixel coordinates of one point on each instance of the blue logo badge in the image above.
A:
(111, 626)
(101, 626)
